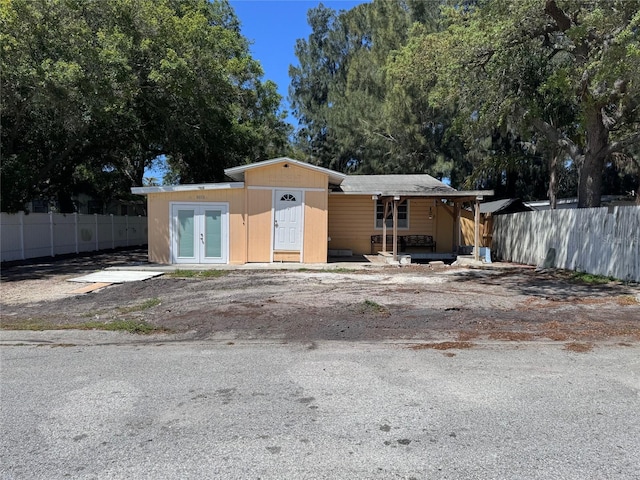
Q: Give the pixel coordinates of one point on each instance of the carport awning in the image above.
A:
(393, 189)
(405, 186)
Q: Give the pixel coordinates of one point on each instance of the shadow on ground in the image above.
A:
(72, 264)
(550, 285)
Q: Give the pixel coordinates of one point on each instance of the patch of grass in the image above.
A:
(131, 326)
(150, 303)
(197, 273)
(369, 306)
(341, 270)
(36, 324)
(591, 279)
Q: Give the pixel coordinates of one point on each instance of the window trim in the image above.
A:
(400, 227)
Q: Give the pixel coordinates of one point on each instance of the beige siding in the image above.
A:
(444, 229)
(291, 176)
(283, 256)
(315, 227)
(260, 225)
(420, 209)
(160, 212)
(352, 221)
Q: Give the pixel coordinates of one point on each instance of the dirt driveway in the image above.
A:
(413, 303)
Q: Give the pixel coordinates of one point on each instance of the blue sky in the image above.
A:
(274, 26)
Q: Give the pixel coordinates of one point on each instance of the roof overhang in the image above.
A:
(186, 188)
(237, 173)
(461, 195)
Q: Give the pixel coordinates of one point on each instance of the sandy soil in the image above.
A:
(412, 303)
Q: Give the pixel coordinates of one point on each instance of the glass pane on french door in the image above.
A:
(186, 233)
(213, 233)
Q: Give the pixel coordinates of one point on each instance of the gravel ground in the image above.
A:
(412, 303)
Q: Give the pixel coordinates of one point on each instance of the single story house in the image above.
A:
(285, 210)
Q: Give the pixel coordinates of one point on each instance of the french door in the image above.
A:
(199, 233)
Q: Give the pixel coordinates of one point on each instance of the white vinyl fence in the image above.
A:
(49, 234)
(600, 241)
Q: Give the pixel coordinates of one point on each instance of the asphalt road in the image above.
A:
(328, 410)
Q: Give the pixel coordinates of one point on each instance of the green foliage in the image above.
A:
(369, 306)
(92, 92)
(150, 303)
(352, 117)
(131, 326)
(527, 98)
(557, 76)
(591, 279)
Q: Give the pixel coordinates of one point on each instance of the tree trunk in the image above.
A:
(590, 181)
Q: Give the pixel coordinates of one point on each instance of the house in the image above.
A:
(284, 210)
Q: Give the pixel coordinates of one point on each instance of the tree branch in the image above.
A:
(563, 21)
(622, 144)
(554, 136)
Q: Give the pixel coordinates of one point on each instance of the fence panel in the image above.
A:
(49, 234)
(601, 241)
(87, 233)
(64, 233)
(105, 232)
(37, 235)
(138, 230)
(120, 233)
(11, 237)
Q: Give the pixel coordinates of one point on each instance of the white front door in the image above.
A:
(199, 232)
(287, 233)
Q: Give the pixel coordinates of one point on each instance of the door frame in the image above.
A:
(274, 197)
(225, 234)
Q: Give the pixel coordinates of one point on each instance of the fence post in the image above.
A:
(113, 235)
(53, 253)
(75, 215)
(97, 240)
(22, 235)
(126, 229)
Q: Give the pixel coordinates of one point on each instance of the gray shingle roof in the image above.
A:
(422, 184)
(506, 205)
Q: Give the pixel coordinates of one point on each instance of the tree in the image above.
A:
(351, 117)
(93, 92)
(559, 74)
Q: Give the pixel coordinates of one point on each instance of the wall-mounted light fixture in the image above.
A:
(430, 213)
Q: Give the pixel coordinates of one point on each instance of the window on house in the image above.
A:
(40, 206)
(93, 206)
(403, 214)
